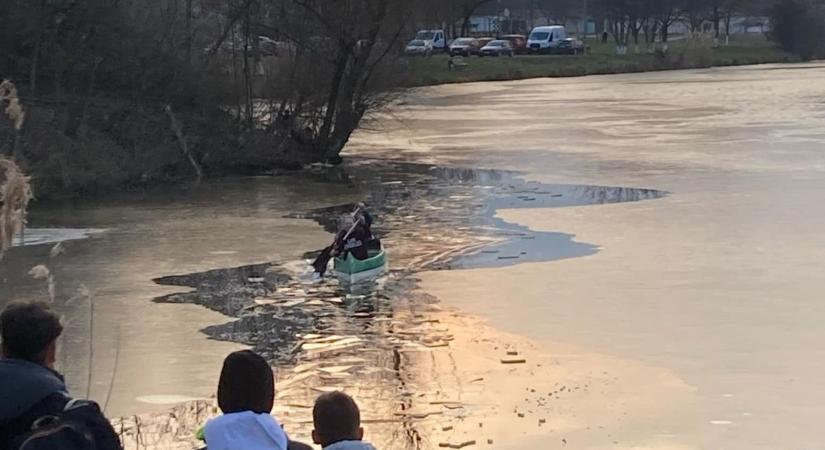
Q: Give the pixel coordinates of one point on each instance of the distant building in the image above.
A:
(521, 21)
(738, 25)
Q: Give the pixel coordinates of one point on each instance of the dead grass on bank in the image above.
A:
(15, 194)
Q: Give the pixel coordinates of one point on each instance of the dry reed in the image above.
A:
(15, 194)
(14, 110)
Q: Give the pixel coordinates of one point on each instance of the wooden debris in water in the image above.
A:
(417, 414)
(457, 445)
(448, 404)
(513, 360)
(264, 301)
(317, 338)
(341, 344)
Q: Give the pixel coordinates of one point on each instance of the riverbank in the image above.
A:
(602, 60)
(124, 147)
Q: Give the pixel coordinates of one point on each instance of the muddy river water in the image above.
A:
(649, 245)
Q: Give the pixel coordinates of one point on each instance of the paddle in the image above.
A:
(322, 261)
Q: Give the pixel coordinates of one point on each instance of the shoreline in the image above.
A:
(684, 54)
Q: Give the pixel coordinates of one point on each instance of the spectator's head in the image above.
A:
(336, 418)
(246, 384)
(29, 331)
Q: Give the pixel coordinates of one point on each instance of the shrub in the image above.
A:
(798, 26)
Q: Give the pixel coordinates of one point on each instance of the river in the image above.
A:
(652, 239)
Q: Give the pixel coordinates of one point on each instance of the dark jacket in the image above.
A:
(29, 391)
(355, 243)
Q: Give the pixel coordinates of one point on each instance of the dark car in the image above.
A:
(497, 48)
(570, 46)
(518, 41)
(464, 47)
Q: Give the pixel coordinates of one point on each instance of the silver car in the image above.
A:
(418, 47)
(497, 48)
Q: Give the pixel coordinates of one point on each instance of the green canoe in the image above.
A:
(352, 270)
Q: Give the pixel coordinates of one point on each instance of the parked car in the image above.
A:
(436, 38)
(418, 47)
(518, 41)
(570, 46)
(497, 48)
(484, 41)
(464, 47)
(546, 39)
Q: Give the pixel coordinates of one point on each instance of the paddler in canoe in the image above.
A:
(353, 243)
(352, 238)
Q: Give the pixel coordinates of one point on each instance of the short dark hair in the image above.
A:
(336, 418)
(246, 384)
(27, 329)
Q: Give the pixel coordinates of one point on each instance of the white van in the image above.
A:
(545, 39)
(437, 39)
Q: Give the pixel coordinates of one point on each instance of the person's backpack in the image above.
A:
(67, 430)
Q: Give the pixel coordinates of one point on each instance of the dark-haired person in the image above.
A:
(246, 394)
(337, 422)
(32, 392)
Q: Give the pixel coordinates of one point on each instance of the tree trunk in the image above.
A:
(188, 31)
(184, 147)
(246, 75)
(728, 20)
(37, 45)
(335, 86)
(665, 26)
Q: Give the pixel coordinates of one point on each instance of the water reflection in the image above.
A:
(388, 344)
(440, 217)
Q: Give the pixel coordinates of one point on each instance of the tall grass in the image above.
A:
(15, 187)
(14, 110)
(15, 194)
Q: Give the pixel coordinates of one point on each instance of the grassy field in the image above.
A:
(602, 59)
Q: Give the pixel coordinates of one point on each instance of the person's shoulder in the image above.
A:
(295, 445)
